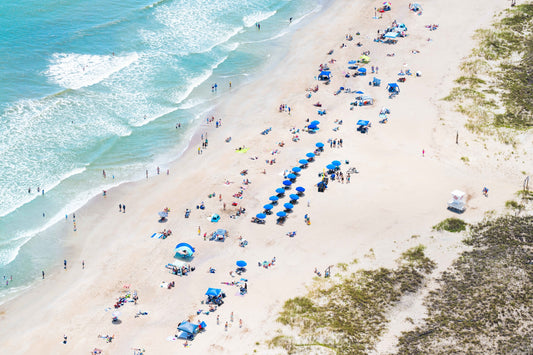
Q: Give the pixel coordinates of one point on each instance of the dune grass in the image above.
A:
(483, 303)
(496, 90)
(348, 314)
(453, 225)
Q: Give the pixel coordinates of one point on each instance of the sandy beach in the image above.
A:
(407, 168)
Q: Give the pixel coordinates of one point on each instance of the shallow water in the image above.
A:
(86, 90)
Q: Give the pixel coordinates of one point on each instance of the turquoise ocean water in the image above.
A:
(93, 85)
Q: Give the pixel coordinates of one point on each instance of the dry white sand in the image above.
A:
(397, 193)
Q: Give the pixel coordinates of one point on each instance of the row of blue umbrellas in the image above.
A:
(287, 183)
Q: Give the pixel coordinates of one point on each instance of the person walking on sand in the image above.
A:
(123, 208)
(423, 152)
(83, 264)
(43, 274)
(65, 264)
(120, 207)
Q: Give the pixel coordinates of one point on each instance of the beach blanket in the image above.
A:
(242, 150)
(157, 235)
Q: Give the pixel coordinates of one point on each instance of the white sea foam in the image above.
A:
(190, 103)
(74, 71)
(252, 19)
(148, 119)
(197, 81)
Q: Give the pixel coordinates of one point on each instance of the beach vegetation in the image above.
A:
(482, 303)
(515, 206)
(342, 266)
(504, 55)
(348, 314)
(453, 225)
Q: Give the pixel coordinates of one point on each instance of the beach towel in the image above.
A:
(244, 150)
(157, 235)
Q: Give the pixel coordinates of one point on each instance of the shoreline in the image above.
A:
(122, 246)
(174, 163)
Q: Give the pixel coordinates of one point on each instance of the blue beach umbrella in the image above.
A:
(359, 92)
(300, 189)
(279, 190)
(310, 155)
(352, 62)
(330, 167)
(291, 176)
(312, 126)
(273, 198)
(287, 182)
(296, 169)
(268, 207)
(281, 214)
(361, 70)
(319, 145)
(241, 263)
(303, 161)
(261, 215)
(294, 197)
(316, 123)
(336, 163)
(288, 206)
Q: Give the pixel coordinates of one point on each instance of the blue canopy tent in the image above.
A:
(319, 145)
(268, 207)
(288, 206)
(376, 81)
(294, 197)
(281, 214)
(330, 167)
(261, 215)
(273, 198)
(300, 189)
(363, 123)
(336, 163)
(183, 250)
(310, 155)
(324, 75)
(296, 169)
(287, 183)
(188, 327)
(291, 176)
(213, 292)
(280, 191)
(219, 235)
(393, 88)
(415, 7)
(215, 218)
